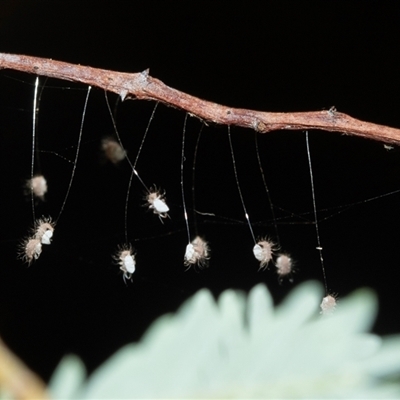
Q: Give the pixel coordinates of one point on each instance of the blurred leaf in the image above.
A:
(243, 348)
(68, 378)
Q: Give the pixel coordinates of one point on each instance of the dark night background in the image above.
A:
(271, 55)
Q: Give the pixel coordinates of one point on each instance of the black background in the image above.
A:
(270, 55)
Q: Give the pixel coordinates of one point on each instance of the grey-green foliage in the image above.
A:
(243, 347)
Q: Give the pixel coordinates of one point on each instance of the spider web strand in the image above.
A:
(238, 185)
(319, 248)
(145, 134)
(182, 189)
(128, 191)
(35, 95)
(194, 176)
(267, 190)
(77, 152)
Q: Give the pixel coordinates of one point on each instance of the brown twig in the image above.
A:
(142, 86)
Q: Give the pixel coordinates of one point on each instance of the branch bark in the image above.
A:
(142, 86)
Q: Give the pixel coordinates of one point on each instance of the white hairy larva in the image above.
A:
(197, 253)
(37, 185)
(31, 249)
(328, 304)
(284, 266)
(126, 260)
(263, 252)
(44, 229)
(113, 151)
(189, 253)
(156, 202)
(159, 206)
(129, 264)
(42, 233)
(46, 238)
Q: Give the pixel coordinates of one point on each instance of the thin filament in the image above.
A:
(267, 190)
(39, 98)
(183, 193)
(116, 104)
(77, 152)
(145, 134)
(136, 173)
(120, 142)
(238, 186)
(115, 128)
(194, 175)
(33, 144)
(319, 248)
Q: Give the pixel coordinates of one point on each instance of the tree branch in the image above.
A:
(142, 86)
